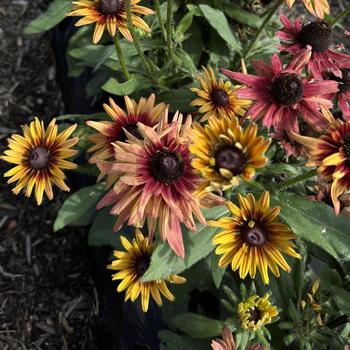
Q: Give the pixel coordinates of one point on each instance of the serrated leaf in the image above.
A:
(136, 83)
(80, 204)
(217, 19)
(198, 326)
(198, 245)
(55, 13)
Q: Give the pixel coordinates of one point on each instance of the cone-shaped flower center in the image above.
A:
(254, 234)
(346, 146)
(142, 265)
(318, 35)
(39, 158)
(110, 7)
(255, 315)
(167, 166)
(287, 89)
(132, 129)
(220, 98)
(230, 158)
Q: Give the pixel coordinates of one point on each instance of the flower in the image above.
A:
(145, 111)
(318, 35)
(343, 95)
(110, 15)
(156, 182)
(131, 265)
(318, 8)
(39, 156)
(217, 97)
(331, 154)
(281, 94)
(226, 343)
(223, 152)
(254, 238)
(255, 312)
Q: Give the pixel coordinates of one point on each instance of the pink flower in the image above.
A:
(318, 34)
(281, 94)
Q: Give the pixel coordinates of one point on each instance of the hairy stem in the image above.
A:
(169, 27)
(160, 20)
(121, 57)
(296, 179)
(340, 16)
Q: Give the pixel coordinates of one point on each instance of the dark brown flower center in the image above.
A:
(255, 315)
(230, 158)
(110, 7)
(318, 35)
(39, 158)
(220, 98)
(254, 234)
(134, 130)
(345, 80)
(167, 166)
(287, 89)
(142, 265)
(346, 146)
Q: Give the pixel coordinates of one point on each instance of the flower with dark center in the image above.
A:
(144, 111)
(318, 8)
(345, 86)
(331, 154)
(110, 15)
(253, 238)
(318, 35)
(131, 264)
(281, 95)
(255, 312)
(287, 89)
(110, 7)
(217, 97)
(39, 156)
(223, 152)
(156, 182)
(167, 166)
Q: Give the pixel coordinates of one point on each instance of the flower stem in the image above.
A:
(340, 16)
(297, 179)
(169, 22)
(160, 20)
(148, 69)
(121, 57)
(262, 27)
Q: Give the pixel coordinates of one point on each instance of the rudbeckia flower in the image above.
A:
(318, 35)
(254, 238)
(331, 154)
(156, 182)
(343, 95)
(131, 265)
(40, 155)
(223, 152)
(255, 312)
(318, 8)
(217, 97)
(110, 15)
(281, 94)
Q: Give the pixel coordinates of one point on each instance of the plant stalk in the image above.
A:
(169, 27)
(160, 20)
(296, 179)
(340, 16)
(121, 57)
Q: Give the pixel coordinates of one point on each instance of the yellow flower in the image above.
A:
(110, 15)
(131, 265)
(223, 152)
(255, 312)
(217, 97)
(317, 7)
(254, 238)
(39, 156)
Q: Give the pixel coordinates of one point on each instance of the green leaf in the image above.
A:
(55, 13)
(186, 62)
(183, 26)
(198, 245)
(218, 21)
(198, 326)
(128, 87)
(242, 339)
(216, 271)
(82, 118)
(316, 223)
(341, 298)
(173, 341)
(194, 44)
(179, 99)
(79, 207)
(242, 16)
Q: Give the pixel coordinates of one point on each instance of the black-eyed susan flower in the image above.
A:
(217, 97)
(157, 182)
(331, 154)
(110, 15)
(254, 238)
(223, 152)
(40, 156)
(145, 111)
(318, 8)
(255, 312)
(131, 265)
